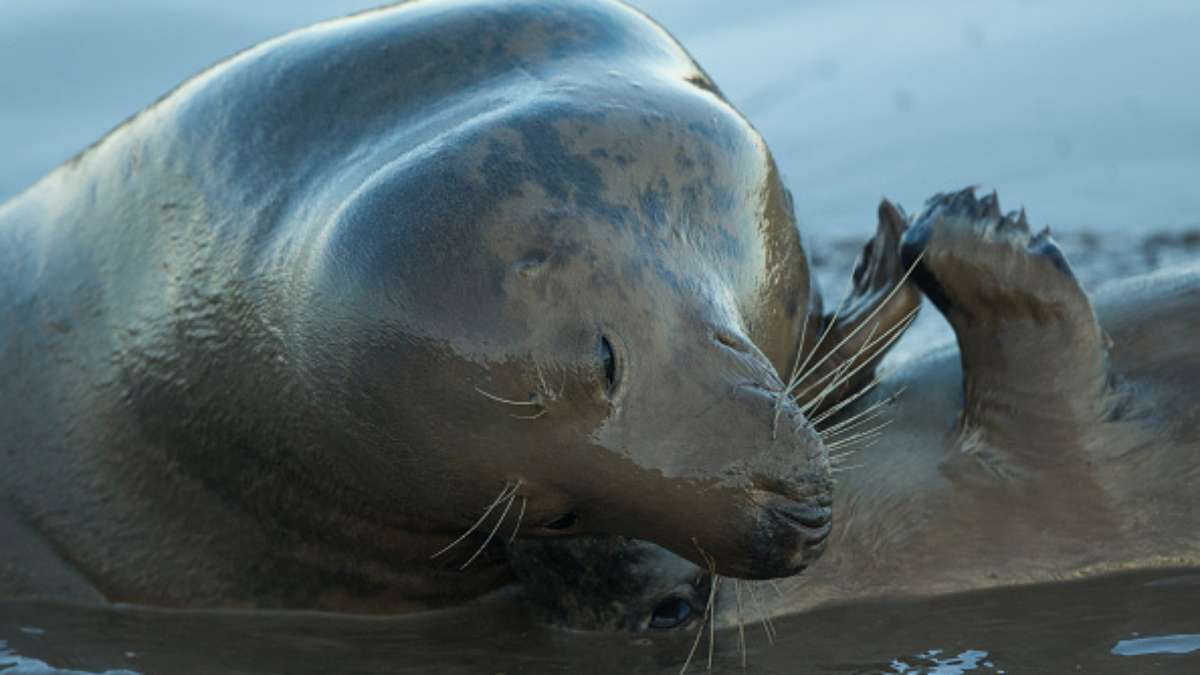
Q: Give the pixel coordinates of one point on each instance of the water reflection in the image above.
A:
(15, 664)
(1162, 644)
(1056, 628)
(934, 663)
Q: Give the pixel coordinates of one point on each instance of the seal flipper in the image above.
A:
(1034, 358)
(882, 303)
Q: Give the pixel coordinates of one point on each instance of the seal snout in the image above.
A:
(793, 533)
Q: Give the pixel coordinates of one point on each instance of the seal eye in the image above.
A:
(670, 613)
(562, 522)
(609, 362)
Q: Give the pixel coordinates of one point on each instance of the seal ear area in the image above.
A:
(1032, 350)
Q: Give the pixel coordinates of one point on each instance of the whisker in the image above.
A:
(815, 403)
(714, 580)
(541, 412)
(517, 527)
(841, 443)
(844, 469)
(737, 597)
(873, 410)
(712, 616)
(501, 399)
(879, 307)
(777, 589)
(833, 410)
(768, 625)
(795, 369)
(504, 494)
(499, 521)
(874, 416)
(888, 337)
(794, 381)
(695, 644)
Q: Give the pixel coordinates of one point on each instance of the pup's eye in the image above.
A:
(608, 362)
(670, 613)
(562, 522)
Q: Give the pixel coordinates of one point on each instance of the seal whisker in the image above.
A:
(712, 616)
(767, 624)
(815, 403)
(512, 497)
(539, 413)
(503, 495)
(862, 419)
(816, 421)
(882, 303)
(737, 597)
(844, 469)
(888, 337)
(501, 399)
(843, 442)
(875, 409)
(517, 528)
(783, 393)
(794, 381)
(699, 633)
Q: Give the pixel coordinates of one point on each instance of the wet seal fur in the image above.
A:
(1057, 439)
(444, 268)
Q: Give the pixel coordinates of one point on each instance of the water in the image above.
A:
(1138, 623)
(1086, 111)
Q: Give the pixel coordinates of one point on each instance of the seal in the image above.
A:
(1055, 439)
(329, 322)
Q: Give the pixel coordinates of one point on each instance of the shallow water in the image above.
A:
(1137, 623)
(1086, 111)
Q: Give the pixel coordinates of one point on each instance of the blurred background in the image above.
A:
(1085, 111)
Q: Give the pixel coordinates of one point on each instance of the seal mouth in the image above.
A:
(793, 533)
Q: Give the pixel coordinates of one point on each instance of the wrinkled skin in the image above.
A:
(1057, 439)
(286, 334)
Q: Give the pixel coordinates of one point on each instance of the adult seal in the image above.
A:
(1057, 438)
(341, 314)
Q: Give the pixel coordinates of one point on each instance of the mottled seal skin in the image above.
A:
(258, 339)
(1058, 438)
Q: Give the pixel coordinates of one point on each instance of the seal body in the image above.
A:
(340, 314)
(1056, 438)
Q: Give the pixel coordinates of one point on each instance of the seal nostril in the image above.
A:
(730, 342)
(562, 522)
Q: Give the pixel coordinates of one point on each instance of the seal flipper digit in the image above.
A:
(1034, 358)
(879, 308)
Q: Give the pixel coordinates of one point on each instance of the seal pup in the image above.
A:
(1055, 439)
(326, 324)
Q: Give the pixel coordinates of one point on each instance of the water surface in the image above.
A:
(1059, 628)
